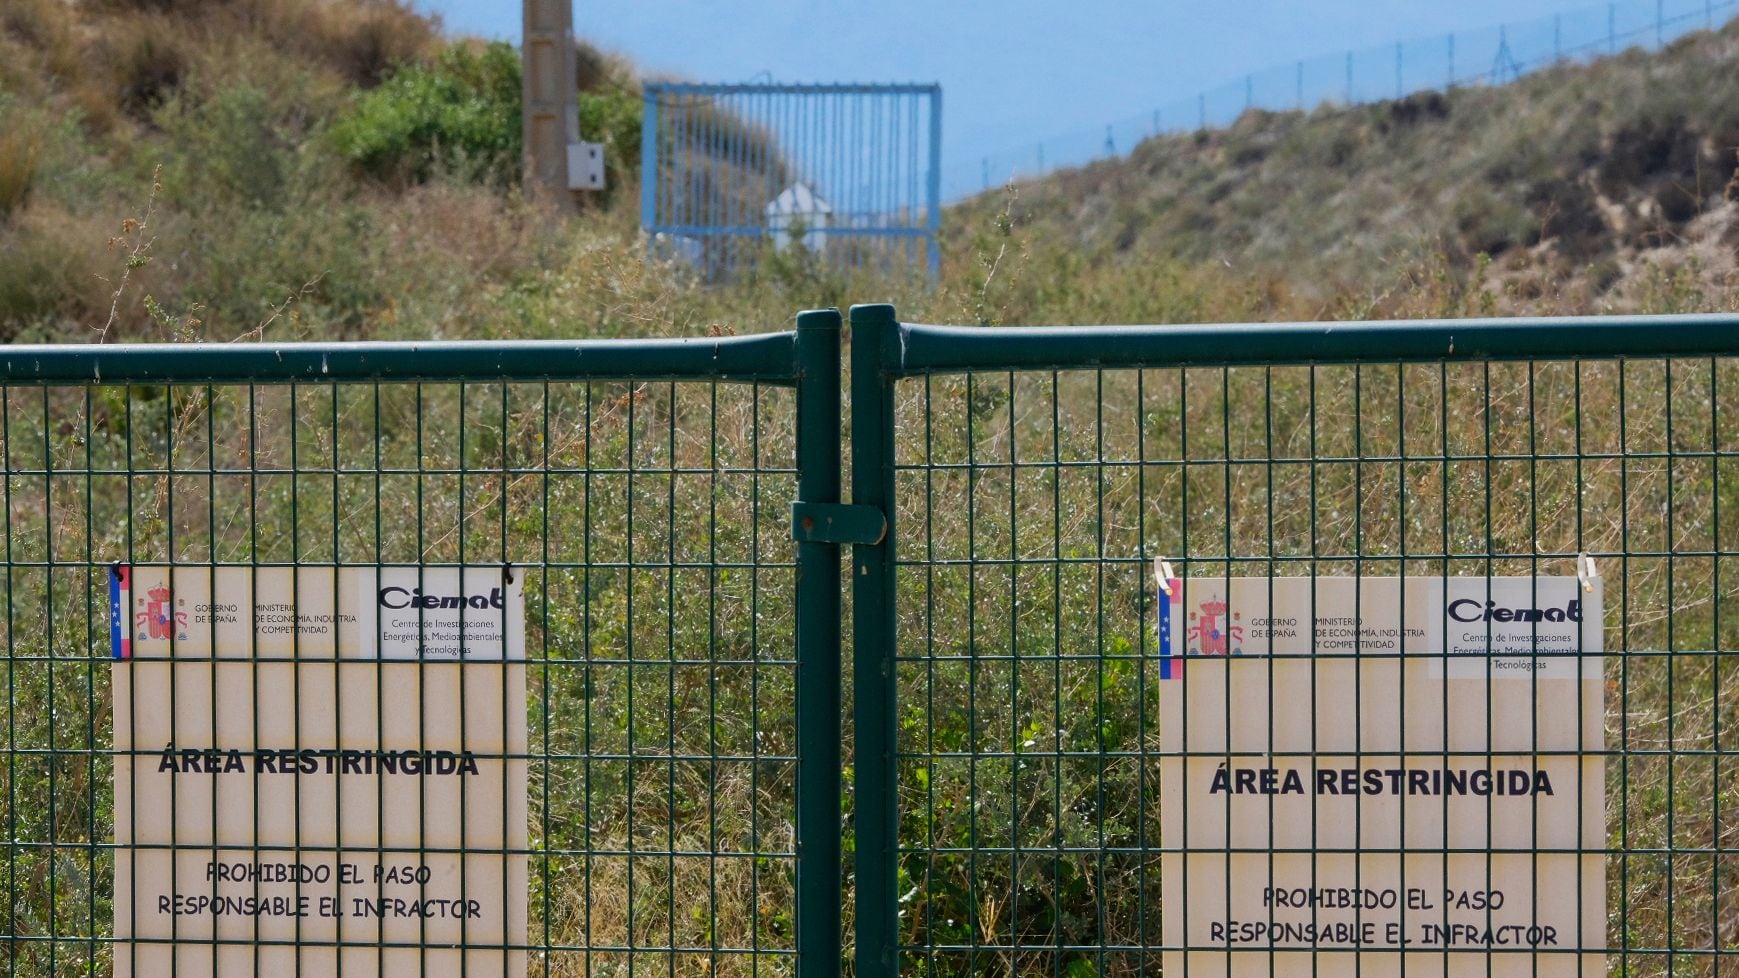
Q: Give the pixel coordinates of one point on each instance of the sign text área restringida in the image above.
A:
(319, 771)
(1376, 773)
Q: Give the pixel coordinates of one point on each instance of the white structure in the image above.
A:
(682, 248)
(799, 212)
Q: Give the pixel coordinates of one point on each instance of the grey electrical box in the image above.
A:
(585, 166)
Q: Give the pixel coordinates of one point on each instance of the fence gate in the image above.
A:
(849, 174)
(287, 750)
(1140, 688)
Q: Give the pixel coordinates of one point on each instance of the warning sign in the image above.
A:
(1361, 773)
(319, 770)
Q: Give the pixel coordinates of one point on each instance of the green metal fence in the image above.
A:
(682, 704)
(1010, 695)
(671, 510)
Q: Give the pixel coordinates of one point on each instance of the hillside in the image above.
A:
(1585, 181)
(315, 169)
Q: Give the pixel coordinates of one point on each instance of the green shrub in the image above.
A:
(459, 115)
(47, 278)
(612, 117)
(227, 148)
(1491, 223)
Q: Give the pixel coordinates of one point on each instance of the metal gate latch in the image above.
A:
(837, 523)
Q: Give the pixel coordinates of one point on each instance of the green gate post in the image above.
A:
(872, 485)
(819, 894)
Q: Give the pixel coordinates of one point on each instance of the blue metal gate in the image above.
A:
(849, 174)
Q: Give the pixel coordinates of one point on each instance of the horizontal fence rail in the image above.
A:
(1034, 710)
(637, 494)
(767, 358)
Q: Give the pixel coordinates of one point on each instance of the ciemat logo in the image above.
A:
(1467, 610)
(159, 619)
(398, 597)
(1212, 634)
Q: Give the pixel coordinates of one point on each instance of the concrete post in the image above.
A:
(550, 119)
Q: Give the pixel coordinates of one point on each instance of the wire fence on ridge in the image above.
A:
(1486, 56)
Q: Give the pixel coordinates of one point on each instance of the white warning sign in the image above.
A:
(319, 771)
(1364, 773)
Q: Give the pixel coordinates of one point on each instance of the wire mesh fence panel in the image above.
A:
(846, 175)
(1433, 674)
(624, 762)
(1181, 650)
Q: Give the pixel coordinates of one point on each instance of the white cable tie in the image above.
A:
(1162, 574)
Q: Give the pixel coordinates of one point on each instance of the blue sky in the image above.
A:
(1012, 72)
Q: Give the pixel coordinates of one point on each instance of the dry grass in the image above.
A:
(358, 40)
(145, 57)
(20, 148)
(44, 30)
